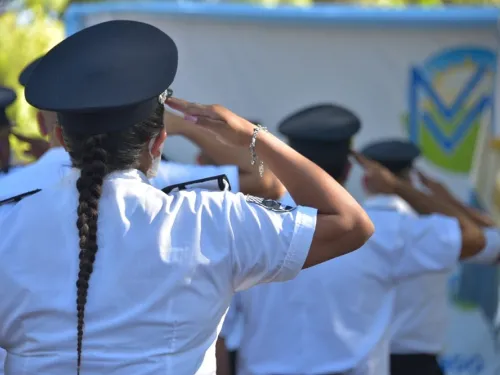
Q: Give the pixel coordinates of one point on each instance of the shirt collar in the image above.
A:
(388, 202)
(55, 154)
(127, 174)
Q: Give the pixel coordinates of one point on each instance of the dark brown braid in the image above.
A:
(96, 156)
(89, 186)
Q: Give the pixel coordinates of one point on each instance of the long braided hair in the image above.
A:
(96, 156)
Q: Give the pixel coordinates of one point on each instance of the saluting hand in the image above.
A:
(174, 124)
(37, 146)
(378, 179)
(435, 187)
(227, 126)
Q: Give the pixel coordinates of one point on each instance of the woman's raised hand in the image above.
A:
(227, 126)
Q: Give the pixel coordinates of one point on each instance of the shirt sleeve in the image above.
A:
(491, 252)
(268, 241)
(430, 244)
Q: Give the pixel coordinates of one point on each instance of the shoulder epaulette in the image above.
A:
(216, 183)
(269, 204)
(19, 197)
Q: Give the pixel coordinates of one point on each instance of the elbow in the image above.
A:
(337, 235)
(275, 190)
(480, 246)
(361, 229)
(355, 230)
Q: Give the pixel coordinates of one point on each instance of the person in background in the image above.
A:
(51, 164)
(37, 147)
(7, 97)
(335, 318)
(421, 306)
(420, 309)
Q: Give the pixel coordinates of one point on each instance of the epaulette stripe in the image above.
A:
(19, 197)
(222, 181)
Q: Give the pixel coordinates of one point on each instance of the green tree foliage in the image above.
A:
(384, 3)
(26, 34)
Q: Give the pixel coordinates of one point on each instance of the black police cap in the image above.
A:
(7, 97)
(104, 78)
(322, 132)
(28, 69)
(395, 154)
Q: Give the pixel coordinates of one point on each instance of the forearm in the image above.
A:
(222, 358)
(426, 204)
(267, 186)
(476, 216)
(219, 152)
(472, 237)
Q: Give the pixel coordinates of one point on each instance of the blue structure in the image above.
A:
(320, 15)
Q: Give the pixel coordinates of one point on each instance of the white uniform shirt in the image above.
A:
(55, 163)
(165, 272)
(421, 308)
(232, 329)
(51, 166)
(336, 316)
(11, 170)
(45, 171)
(421, 304)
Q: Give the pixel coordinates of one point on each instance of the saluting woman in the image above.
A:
(104, 274)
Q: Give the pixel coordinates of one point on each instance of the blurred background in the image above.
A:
(37, 25)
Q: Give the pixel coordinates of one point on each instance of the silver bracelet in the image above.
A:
(253, 154)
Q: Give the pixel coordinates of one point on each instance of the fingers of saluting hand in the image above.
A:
(423, 178)
(362, 160)
(206, 122)
(194, 110)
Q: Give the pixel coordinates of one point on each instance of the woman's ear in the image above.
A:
(157, 148)
(59, 136)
